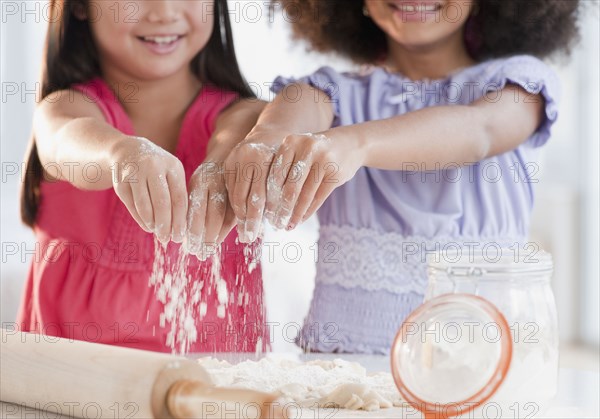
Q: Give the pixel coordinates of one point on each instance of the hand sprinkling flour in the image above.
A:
(247, 186)
(151, 183)
(210, 217)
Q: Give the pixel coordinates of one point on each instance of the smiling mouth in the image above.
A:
(161, 40)
(416, 7)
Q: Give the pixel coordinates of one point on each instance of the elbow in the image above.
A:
(482, 141)
(252, 108)
(482, 147)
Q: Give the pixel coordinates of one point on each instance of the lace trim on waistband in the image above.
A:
(360, 257)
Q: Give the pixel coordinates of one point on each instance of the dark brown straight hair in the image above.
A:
(70, 57)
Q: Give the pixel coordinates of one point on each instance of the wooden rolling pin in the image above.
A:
(85, 380)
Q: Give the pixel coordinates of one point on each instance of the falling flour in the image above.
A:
(318, 383)
(183, 293)
(178, 295)
(184, 288)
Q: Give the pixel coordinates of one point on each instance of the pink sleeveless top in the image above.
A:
(89, 279)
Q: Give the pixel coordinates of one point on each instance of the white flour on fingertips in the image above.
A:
(254, 199)
(252, 255)
(193, 242)
(297, 171)
(336, 383)
(274, 191)
(218, 198)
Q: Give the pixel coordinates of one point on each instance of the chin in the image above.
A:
(157, 75)
(417, 41)
(156, 72)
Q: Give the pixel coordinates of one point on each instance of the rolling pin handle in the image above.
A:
(190, 399)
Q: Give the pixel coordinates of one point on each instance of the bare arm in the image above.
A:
(311, 112)
(232, 126)
(427, 139)
(73, 139)
(71, 135)
(434, 136)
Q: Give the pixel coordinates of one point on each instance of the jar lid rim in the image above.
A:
(479, 264)
(450, 302)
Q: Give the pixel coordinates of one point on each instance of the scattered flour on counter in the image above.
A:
(311, 384)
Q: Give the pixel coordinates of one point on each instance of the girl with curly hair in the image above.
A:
(432, 147)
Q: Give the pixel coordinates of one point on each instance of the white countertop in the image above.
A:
(577, 398)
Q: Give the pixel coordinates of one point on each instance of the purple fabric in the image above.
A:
(392, 213)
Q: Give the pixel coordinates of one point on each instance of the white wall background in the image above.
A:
(565, 218)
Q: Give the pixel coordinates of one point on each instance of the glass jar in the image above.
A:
(485, 338)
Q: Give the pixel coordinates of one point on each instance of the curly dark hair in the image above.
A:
(501, 28)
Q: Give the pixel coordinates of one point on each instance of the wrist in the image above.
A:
(268, 136)
(352, 139)
(118, 151)
(217, 154)
(128, 149)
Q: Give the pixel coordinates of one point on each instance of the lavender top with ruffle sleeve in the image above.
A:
(376, 228)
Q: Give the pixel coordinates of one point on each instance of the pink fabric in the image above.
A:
(90, 276)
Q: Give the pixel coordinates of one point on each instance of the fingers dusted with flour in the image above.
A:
(151, 183)
(228, 188)
(210, 218)
(256, 172)
(247, 167)
(306, 170)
